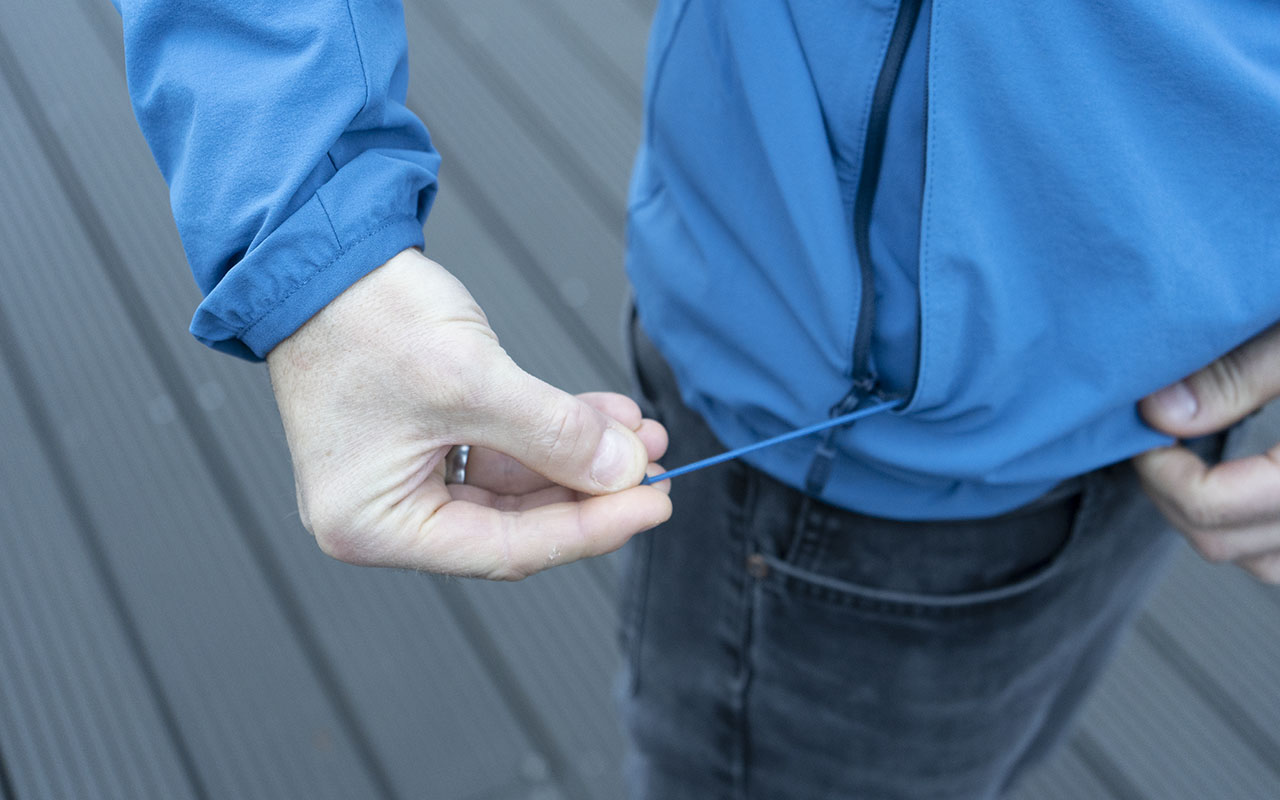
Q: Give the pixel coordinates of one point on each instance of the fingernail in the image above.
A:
(612, 461)
(1176, 403)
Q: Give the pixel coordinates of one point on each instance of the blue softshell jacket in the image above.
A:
(1017, 218)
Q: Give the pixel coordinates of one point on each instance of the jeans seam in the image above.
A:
(739, 766)
(638, 592)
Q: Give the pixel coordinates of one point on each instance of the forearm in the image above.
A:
(294, 167)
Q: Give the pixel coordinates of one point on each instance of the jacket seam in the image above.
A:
(247, 330)
(364, 73)
(659, 69)
(332, 228)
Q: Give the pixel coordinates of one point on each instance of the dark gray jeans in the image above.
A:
(778, 647)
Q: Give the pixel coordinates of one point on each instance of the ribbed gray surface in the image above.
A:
(78, 717)
(407, 668)
(511, 156)
(284, 674)
(1220, 631)
(519, 58)
(1063, 777)
(220, 646)
(560, 627)
(1167, 740)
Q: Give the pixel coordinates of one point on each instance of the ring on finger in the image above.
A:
(455, 464)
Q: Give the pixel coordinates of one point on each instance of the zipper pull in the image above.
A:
(820, 467)
(825, 455)
(866, 391)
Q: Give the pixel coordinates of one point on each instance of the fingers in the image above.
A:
(1222, 393)
(1235, 493)
(504, 475)
(1265, 568)
(1229, 513)
(563, 438)
(535, 498)
(473, 539)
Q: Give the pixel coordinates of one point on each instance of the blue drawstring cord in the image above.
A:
(834, 422)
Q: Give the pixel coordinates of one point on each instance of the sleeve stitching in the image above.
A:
(248, 329)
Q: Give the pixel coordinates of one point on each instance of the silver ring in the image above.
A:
(455, 464)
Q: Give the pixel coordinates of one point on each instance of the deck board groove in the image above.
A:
(624, 86)
(1104, 769)
(499, 327)
(209, 447)
(560, 762)
(552, 222)
(1233, 714)
(602, 199)
(75, 380)
(35, 409)
(471, 193)
(6, 783)
(16, 376)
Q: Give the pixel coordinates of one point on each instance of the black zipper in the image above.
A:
(866, 384)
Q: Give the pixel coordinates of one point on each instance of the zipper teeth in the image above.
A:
(872, 157)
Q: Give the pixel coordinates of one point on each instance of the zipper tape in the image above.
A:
(834, 422)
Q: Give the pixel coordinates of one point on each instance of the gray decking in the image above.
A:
(168, 629)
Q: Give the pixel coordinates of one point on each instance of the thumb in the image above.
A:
(1221, 394)
(559, 436)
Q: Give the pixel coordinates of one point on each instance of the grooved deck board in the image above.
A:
(1167, 740)
(386, 634)
(1063, 777)
(564, 634)
(600, 130)
(79, 717)
(221, 649)
(507, 154)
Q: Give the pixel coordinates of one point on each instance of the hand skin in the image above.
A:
(375, 389)
(1230, 512)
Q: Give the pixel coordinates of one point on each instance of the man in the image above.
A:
(1013, 227)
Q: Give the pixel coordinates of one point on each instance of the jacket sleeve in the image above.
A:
(294, 167)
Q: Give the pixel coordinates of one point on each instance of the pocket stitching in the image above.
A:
(838, 592)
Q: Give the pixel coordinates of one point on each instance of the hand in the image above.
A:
(1230, 512)
(376, 388)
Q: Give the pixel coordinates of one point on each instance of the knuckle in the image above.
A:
(1205, 514)
(336, 545)
(335, 533)
(1267, 571)
(508, 567)
(1215, 549)
(563, 436)
(1231, 381)
(508, 574)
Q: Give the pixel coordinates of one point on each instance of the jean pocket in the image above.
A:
(838, 558)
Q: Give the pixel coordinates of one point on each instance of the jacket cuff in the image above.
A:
(351, 226)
